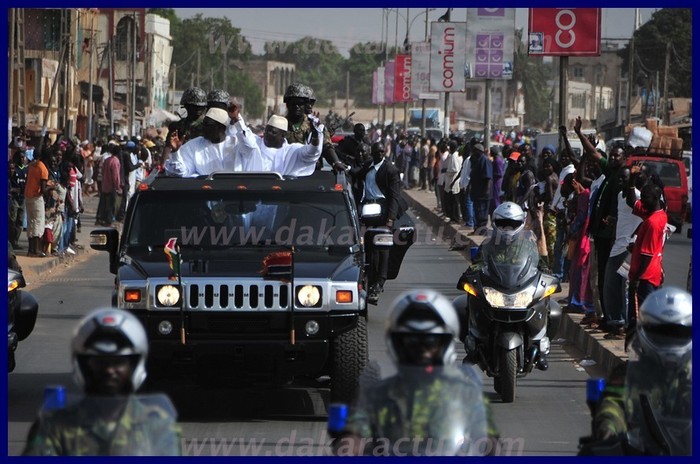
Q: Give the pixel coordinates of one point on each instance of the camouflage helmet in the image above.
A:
(218, 97)
(193, 96)
(297, 90)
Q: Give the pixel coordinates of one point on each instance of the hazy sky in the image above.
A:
(346, 26)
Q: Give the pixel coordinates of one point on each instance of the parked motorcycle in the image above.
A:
(22, 309)
(507, 315)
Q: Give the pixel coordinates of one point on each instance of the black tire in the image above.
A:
(350, 356)
(497, 385)
(508, 377)
(11, 361)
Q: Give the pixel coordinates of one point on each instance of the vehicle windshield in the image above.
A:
(669, 173)
(450, 419)
(510, 259)
(219, 219)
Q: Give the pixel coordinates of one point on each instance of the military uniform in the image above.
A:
(301, 132)
(414, 409)
(146, 427)
(186, 129)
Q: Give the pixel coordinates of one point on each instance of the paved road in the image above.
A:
(547, 418)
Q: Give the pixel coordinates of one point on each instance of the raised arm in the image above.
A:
(588, 148)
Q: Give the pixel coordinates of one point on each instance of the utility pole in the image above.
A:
(487, 116)
(92, 60)
(347, 94)
(405, 104)
(224, 50)
(111, 85)
(174, 85)
(422, 105)
(133, 78)
(630, 81)
(199, 63)
(667, 106)
(563, 92)
(396, 50)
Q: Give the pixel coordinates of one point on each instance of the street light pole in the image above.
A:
(422, 117)
(405, 104)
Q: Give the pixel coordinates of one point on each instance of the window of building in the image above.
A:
(125, 37)
(472, 93)
(578, 72)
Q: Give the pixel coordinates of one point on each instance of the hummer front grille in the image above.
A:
(259, 295)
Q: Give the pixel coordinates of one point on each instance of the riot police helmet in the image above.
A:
(665, 325)
(422, 329)
(193, 96)
(109, 333)
(218, 98)
(508, 218)
(299, 90)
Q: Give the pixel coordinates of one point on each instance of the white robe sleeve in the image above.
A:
(247, 152)
(300, 160)
(181, 162)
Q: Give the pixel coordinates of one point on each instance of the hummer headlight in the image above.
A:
(309, 296)
(168, 295)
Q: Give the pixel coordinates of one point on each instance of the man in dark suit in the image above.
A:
(381, 184)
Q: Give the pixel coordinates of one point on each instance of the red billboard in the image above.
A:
(402, 79)
(564, 31)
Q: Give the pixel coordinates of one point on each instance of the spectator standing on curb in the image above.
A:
(480, 185)
(34, 191)
(646, 272)
(498, 169)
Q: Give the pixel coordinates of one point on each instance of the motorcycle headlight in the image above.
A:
(13, 285)
(518, 300)
(168, 295)
(309, 296)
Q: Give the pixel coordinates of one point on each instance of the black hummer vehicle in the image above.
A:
(246, 240)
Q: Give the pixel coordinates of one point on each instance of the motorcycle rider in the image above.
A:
(508, 226)
(108, 351)
(662, 356)
(420, 337)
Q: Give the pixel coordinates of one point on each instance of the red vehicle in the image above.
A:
(672, 173)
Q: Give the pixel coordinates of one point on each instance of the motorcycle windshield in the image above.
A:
(511, 261)
(141, 425)
(658, 403)
(421, 411)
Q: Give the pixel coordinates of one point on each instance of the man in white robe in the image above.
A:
(218, 149)
(289, 159)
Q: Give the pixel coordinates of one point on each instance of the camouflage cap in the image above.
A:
(218, 96)
(193, 96)
(299, 90)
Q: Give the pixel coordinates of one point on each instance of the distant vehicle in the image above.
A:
(429, 133)
(672, 172)
(340, 135)
(688, 161)
(609, 144)
(552, 138)
(433, 117)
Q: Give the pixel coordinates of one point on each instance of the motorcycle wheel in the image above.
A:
(508, 371)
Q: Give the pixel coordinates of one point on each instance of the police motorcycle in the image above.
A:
(22, 309)
(451, 416)
(656, 403)
(425, 404)
(507, 316)
(144, 424)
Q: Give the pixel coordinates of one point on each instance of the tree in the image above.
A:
(531, 71)
(364, 60)
(667, 26)
(212, 39)
(318, 64)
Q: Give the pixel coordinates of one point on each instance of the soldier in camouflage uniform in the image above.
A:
(299, 99)
(194, 100)
(660, 368)
(430, 398)
(109, 352)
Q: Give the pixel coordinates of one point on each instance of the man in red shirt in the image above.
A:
(646, 272)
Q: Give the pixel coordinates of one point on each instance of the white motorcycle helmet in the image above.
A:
(110, 332)
(665, 325)
(508, 219)
(422, 318)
